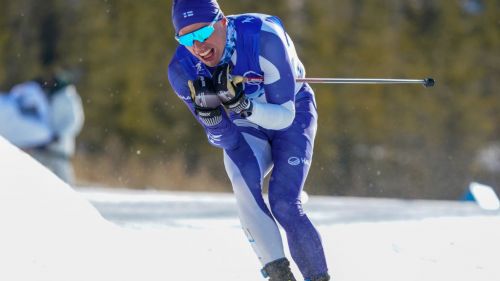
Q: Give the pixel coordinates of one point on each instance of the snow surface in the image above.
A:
(51, 232)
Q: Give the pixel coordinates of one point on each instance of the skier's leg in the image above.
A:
(292, 154)
(246, 167)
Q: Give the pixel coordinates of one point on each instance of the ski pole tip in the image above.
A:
(429, 82)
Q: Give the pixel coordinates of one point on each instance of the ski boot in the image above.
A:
(278, 270)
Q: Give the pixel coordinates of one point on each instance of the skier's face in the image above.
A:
(210, 51)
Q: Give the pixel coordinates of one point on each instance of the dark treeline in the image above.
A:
(404, 141)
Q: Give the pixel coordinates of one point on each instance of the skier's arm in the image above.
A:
(275, 58)
(223, 134)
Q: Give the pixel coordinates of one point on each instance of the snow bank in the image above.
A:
(49, 232)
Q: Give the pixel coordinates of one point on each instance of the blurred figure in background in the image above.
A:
(66, 120)
(43, 117)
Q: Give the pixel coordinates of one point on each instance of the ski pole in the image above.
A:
(427, 82)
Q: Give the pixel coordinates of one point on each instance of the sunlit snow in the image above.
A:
(51, 232)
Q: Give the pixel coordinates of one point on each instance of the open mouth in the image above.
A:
(207, 55)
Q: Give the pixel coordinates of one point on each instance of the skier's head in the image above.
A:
(200, 26)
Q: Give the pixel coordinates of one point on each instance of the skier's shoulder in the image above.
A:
(249, 22)
(263, 22)
(178, 57)
(181, 68)
(180, 65)
(269, 29)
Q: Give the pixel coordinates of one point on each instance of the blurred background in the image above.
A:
(400, 141)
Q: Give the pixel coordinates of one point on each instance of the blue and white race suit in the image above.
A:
(278, 136)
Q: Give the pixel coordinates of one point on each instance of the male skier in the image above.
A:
(265, 123)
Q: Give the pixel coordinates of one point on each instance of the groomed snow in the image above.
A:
(51, 232)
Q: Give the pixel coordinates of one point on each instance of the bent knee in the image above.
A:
(286, 212)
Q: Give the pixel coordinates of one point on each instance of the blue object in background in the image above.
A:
(483, 195)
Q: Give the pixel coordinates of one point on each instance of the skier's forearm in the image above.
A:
(273, 116)
(223, 135)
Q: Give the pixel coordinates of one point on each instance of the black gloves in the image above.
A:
(207, 94)
(206, 100)
(230, 91)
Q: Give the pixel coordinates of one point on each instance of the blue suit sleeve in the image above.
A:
(277, 58)
(276, 63)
